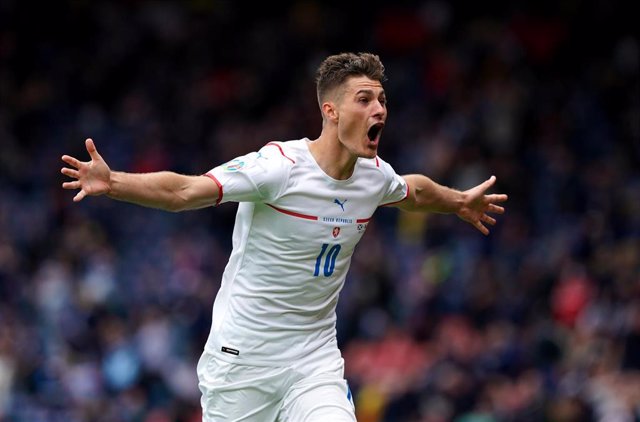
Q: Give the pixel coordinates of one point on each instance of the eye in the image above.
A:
(363, 100)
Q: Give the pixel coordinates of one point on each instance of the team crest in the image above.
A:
(335, 232)
(234, 165)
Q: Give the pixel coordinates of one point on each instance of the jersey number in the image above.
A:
(329, 260)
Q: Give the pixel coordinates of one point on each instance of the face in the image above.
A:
(361, 115)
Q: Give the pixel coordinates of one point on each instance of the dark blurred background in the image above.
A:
(105, 306)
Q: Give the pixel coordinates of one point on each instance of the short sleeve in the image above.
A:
(255, 177)
(396, 186)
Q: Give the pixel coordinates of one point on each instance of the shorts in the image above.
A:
(305, 391)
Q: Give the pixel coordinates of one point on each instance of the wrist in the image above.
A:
(114, 178)
(459, 201)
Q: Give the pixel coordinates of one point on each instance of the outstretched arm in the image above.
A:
(164, 190)
(471, 205)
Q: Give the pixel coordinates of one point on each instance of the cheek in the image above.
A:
(348, 134)
(349, 124)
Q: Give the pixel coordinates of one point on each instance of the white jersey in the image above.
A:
(295, 232)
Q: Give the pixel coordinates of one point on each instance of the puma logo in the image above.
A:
(337, 201)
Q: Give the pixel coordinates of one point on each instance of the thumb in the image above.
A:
(488, 183)
(92, 150)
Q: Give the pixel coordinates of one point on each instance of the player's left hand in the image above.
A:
(477, 204)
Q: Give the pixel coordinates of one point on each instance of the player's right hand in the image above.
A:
(92, 177)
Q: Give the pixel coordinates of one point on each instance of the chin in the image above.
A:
(369, 153)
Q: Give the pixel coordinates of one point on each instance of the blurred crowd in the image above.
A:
(105, 306)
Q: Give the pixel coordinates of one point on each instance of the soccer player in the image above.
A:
(304, 204)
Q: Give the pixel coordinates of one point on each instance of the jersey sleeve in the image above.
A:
(396, 187)
(255, 177)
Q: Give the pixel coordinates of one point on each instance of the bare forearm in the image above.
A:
(472, 205)
(164, 190)
(429, 196)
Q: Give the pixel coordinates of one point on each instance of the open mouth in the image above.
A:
(374, 131)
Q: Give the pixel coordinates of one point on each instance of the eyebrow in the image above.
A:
(368, 91)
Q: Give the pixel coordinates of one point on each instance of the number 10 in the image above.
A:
(329, 262)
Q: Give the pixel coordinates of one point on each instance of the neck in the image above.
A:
(332, 157)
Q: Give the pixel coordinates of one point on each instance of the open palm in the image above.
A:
(477, 204)
(92, 177)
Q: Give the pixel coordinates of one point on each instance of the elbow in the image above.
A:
(179, 206)
(185, 200)
(175, 209)
(421, 202)
(190, 195)
(170, 207)
(176, 204)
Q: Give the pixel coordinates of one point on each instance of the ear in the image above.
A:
(330, 110)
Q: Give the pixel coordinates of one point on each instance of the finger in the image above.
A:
(71, 161)
(70, 172)
(495, 209)
(478, 225)
(91, 149)
(489, 220)
(71, 185)
(488, 183)
(79, 196)
(496, 197)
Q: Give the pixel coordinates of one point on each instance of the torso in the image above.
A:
(292, 250)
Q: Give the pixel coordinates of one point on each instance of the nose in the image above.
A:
(379, 109)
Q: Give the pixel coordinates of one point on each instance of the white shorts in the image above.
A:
(305, 391)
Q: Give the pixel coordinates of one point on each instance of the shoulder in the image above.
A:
(377, 165)
(274, 162)
(287, 151)
(274, 157)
